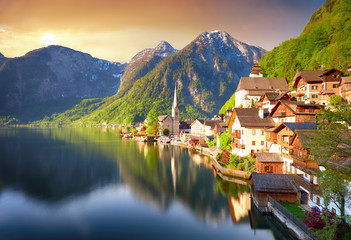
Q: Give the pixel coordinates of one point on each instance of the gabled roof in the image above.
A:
(274, 96)
(269, 157)
(279, 183)
(198, 120)
(248, 117)
(301, 134)
(211, 123)
(330, 71)
(262, 83)
(292, 105)
(346, 80)
(294, 126)
(162, 118)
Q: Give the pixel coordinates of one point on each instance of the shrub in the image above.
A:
(166, 132)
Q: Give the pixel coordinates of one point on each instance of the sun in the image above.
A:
(48, 39)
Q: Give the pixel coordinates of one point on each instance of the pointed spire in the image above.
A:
(175, 104)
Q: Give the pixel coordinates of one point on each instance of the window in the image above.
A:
(267, 168)
(335, 85)
(333, 76)
(314, 87)
(262, 132)
(253, 143)
(253, 132)
(314, 95)
(262, 143)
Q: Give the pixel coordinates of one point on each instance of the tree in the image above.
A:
(152, 123)
(166, 132)
(224, 141)
(330, 144)
(336, 100)
(334, 189)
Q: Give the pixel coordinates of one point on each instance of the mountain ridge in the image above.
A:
(325, 40)
(206, 72)
(54, 74)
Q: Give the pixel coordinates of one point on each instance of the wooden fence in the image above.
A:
(290, 216)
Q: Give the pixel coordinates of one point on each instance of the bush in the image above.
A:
(212, 143)
(166, 132)
(234, 159)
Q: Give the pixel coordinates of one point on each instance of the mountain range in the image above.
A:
(47, 79)
(206, 73)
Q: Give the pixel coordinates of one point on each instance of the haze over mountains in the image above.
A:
(206, 72)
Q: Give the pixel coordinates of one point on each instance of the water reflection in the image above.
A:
(112, 186)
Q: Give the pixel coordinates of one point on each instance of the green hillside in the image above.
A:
(326, 40)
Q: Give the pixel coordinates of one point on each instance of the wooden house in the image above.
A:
(270, 99)
(292, 111)
(281, 187)
(281, 140)
(345, 88)
(269, 163)
(317, 85)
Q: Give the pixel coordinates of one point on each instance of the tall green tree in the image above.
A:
(330, 145)
(152, 123)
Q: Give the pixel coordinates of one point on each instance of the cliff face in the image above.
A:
(55, 74)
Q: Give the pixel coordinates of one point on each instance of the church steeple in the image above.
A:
(175, 104)
(175, 114)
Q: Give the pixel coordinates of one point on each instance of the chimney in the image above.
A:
(323, 67)
(261, 113)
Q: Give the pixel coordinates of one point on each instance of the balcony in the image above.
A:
(235, 135)
(237, 145)
(313, 188)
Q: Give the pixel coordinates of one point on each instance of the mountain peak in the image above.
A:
(164, 48)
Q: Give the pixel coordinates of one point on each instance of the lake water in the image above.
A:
(90, 184)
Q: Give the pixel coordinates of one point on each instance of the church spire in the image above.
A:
(175, 104)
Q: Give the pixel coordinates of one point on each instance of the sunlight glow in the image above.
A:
(48, 39)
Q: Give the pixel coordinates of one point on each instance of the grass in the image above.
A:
(294, 208)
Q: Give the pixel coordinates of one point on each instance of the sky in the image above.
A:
(117, 30)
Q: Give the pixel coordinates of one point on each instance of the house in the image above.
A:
(248, 126)
(306, 168)
(269, 163)
(270, 99)
(281, 140)
(317, 85)
(221, 127)
(281, 187)
(185, 127)
(251, 89)
(165, 122)
(292, 111)
(206, 127)
(345, 88)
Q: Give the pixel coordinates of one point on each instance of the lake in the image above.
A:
(89, 184)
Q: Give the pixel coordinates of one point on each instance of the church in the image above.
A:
(171, 123)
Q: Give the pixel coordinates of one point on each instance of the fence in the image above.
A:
(289, 215)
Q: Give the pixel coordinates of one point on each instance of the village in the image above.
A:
(270, 123)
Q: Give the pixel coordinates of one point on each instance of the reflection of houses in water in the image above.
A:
(240, 206)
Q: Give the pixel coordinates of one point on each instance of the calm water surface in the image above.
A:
(89, 184)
